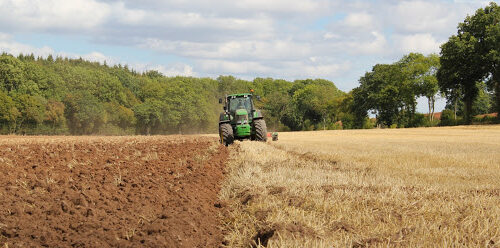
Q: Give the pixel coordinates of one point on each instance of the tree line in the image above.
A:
(73, 96)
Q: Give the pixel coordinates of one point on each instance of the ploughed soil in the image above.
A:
(157, 191)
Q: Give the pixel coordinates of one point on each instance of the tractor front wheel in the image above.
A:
(226, 134)
(260, 130)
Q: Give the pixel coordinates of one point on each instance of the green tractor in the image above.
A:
(240, 120)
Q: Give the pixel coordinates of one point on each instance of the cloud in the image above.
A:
(375, 46)
(424, 43)
(232, 67)
(97, 57)
(312, 68)
(363, 44)
(321, 70)
(54, 15)
(359, 20)
(178, 69)
(234, 50)
(234, 8)
(286, 6)
(430, 16)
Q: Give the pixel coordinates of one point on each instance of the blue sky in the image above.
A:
(338, 40)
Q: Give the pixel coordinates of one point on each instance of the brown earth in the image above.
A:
(156, 191)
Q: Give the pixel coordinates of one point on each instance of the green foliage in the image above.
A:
(8, 113)
(483, 104)
(472, 56)
(390, 91)
(149, 116)
(448, 118)
(11, 72)
(31, 110)
(54, 114)
(84, 113)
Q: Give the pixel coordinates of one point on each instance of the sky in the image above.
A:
(338, 40)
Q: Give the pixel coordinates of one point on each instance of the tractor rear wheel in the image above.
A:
(260, 130)
(226, 134)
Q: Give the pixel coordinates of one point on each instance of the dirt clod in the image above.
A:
(262, 237)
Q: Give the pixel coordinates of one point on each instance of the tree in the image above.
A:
(84, 113)
(479, 44)
(492, 44)
(31, 110)
(55, 113)
(119, 115)
(275, 105)
(421, 71)
(483, 103)
(315, 102)
(385, 92)
(460, 69)
(11, 72)
(8, 112)
(149, 116)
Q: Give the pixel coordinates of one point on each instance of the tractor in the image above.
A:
(240, 120)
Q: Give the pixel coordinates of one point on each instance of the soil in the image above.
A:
(158, 191)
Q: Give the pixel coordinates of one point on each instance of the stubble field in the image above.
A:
(426, 187)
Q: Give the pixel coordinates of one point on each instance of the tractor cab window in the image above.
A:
(240, 103)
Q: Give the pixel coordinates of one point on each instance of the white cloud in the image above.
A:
(315, 68)
(372, 43)
(97, 57)
(175, 70)
(430, 16)
(238, 8)
(377, 45)
(52, 14)
(323, 71)
(422, 43)
(249, 50)
(359, 20)
(231, 67)
(330, 35)
(296, 6)
(129, 16)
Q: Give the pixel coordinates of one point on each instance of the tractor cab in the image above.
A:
(238, 106)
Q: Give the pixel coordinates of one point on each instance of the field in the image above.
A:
(110, 191)
(422, 187)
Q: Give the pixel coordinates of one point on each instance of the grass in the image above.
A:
(425, 187)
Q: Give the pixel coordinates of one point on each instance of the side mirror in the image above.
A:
(220, 100)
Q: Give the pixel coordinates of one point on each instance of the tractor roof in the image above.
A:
(239, 95)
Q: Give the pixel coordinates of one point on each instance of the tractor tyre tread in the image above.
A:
(260, 130)
(226, 134)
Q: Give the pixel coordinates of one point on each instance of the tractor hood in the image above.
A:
(241, 112)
